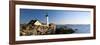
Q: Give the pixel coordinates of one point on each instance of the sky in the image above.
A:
(55, 16)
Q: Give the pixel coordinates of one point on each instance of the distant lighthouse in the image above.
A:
(47, 19)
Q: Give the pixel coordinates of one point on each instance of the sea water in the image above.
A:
(78, 28)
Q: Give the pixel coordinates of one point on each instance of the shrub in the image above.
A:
(64, 30)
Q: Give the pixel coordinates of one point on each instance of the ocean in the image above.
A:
(78, 28)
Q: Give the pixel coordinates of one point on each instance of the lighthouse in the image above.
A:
(47, 19)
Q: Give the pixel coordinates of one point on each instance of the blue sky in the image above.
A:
(55, 16)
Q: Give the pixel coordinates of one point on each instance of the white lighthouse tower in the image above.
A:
(47, 19)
